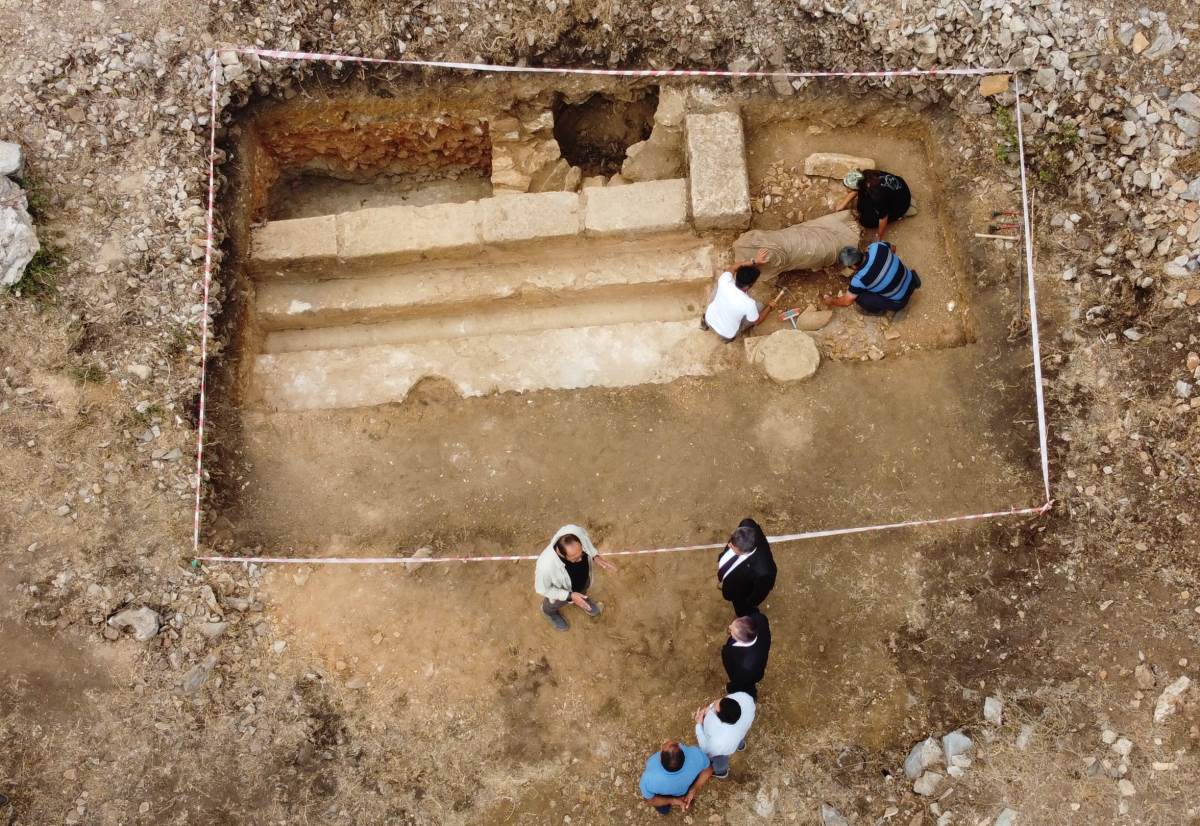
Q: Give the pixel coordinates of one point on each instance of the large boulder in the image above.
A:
(786, 355)
(18, 240)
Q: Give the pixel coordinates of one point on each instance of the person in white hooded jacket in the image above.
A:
(564, 573)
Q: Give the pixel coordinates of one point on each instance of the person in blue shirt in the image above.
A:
(673, 776)
(880, 283)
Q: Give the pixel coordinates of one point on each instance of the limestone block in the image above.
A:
(658, 158)
(295, 244)
(405, 233)
(559, 176)
(834, 165)
(528, 216)
(716, 158)
(672, 104)
(649, 206)
(593, 181)
(786, 355)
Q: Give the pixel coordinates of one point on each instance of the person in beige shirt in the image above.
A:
(564, 573)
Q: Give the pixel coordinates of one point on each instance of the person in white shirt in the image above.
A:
(721, 728)
(731, 309)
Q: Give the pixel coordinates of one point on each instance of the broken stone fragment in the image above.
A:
(993, 710)
(956, 743)
(197, 675)
(649, 160)
(143, 621)
(1171, 699)
(18, 239)
(923, 755)
(834, 165)
(832, 817)
(993, 85)
(11, 159)
(927, 783)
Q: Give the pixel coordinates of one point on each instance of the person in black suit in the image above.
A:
(745, 653)
(745, 569)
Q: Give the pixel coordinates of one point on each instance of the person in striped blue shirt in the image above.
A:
(880, 283)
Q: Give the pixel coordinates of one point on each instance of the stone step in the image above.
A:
(616, 355)
(435, 289)
(314, 247)
(604, 306)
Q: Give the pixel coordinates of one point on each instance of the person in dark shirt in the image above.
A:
(880, 282)
(880, 198)
(745, 653)
(745, 569)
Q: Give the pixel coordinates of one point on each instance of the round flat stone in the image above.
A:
(786, 355)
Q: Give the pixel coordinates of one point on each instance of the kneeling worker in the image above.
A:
(731, 309)
(880, 283)
(564, 573)
(673, 776)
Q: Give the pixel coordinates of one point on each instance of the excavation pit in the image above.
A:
(466, 338)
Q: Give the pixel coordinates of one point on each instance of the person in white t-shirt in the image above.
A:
(721, 729)
(731, 308)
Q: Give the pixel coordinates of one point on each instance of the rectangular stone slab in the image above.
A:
(618, 355)
(280, 248)
(530, 216)
(834, 164)
(649, 206)
(716, 157)
(406, 233)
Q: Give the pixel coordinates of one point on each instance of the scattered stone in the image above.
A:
(1143, 675)
(1171, 699)
(141, 371)
(1140, 43)
(1007, 817)
(834, 165)
(197, 675)
(786, 355)
(956, 743)
(12, 161)
(923, 755)
(18, 239)
(1123, 746)
(994, 85)
(1025, 737)
(212, 630)
(278, 646)
(143, 621)
(813, 319)
(1126, 787)
(993, 710)
(927, 783)
(832, 817)
(764, 802)
(413, 562)
(1183, 389)
(356, 683)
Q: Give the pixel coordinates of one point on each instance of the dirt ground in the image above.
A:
(306, 695)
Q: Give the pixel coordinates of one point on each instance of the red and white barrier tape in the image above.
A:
(790, 537)
(564, 70)
(486, 67)
(208, 256)
(1035, 340)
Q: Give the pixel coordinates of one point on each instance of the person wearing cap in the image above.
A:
(879, 198)
(563, 574)
(880, 282)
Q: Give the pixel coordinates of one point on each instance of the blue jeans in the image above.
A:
(663, 810)
(720, 762)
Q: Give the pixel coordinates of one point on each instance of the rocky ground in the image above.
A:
(137, 689)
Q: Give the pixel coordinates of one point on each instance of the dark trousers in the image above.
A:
(663, 810)
(873, 304)
(743, 609)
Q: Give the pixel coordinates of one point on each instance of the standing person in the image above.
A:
(880, 282)
(745, 653)
(673, 776)
(564, 573)
(721, 728)
(731, 309)
(745, 569)
(880, 198)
